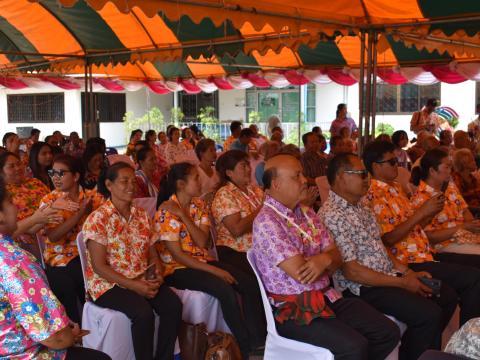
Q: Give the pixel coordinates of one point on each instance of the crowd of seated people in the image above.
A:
(332, 271)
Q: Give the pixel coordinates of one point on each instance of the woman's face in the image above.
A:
(123, 188)
(152, 138)
(13, 171)
(443, 172)
(343, 112)
(175, 136)
(45, 157)
(8, 216)
(95, 162)
(403, 141)
(469, 163)
(137, 137)
(12, 143)
(210, 155)
(150, 162)
(188, 134)
(240, 175)
(192, 183)
(63, 178)
(162, 137)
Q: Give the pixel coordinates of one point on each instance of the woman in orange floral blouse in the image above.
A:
(63, 270)
(26, 194)
(453, 230)
(234, 207)
(182, 226)
(123, 271)
(464, 176)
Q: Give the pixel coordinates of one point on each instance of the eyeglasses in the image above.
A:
(59, 173)
(392, 161)
(363, 173)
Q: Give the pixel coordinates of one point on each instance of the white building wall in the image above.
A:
(138, 102)
(73, 113)
(231, 105)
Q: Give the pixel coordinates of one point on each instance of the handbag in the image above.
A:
(197, 344)
(222, 346)
(193, 341)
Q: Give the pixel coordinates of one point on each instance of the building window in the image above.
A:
(36, 108)
(267, 102)
(108, 107)
(310, 100)
(404, 99)
(191, 104)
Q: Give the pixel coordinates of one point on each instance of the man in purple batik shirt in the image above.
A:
(295, 254)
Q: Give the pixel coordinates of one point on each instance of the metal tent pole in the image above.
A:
(361, 84)
(369, 88)
(86, 107)
(374, 82)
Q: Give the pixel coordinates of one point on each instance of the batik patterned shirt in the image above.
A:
(230, 200)
(26, 197)
(357, 236)
(29, 311)
(127, 242)
(61, 252)
(276, 239)
(452, 213)
(392, 208)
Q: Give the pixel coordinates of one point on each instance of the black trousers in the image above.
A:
(359, 332)
(248, 330)
(239, 261)
(235, 258)
(80, 353)
(461, 259)
(425, 318)
(139, 310)
(465, 280)
(67, 284)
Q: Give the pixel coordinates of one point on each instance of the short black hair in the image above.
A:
(432, 102)
(337, 163)
(374, 151)
(235, 125)
(268, 176)
(305, 137)
(334, 140)
(397, 136)
(34, 131)
(247, 132)
(202, 146)
(227, 161)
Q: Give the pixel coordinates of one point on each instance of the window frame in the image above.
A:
(34, 108)
(399, 99)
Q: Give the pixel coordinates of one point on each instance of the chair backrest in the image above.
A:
(149, 204)
(266, 304)
(82, 253)
(41, 246)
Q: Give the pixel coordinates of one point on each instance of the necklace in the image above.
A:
(291, 222)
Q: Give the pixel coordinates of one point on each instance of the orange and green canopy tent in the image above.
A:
(167, 39)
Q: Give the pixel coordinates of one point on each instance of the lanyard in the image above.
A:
(293, 223)
(251, 198)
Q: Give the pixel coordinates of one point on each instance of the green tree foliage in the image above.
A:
(384, 129)
(152, 119)
(210, 124)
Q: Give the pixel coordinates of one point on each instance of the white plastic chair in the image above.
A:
(110, 330)
(278, 347)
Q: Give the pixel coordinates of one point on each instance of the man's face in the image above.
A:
(387, 168)
(313, 143)
(290, 180)
(351, 180)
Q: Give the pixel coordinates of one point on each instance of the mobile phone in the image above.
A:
(444, 186)
(434, 284)
(151, 272)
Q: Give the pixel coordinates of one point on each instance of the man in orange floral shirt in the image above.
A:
(402, 228)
